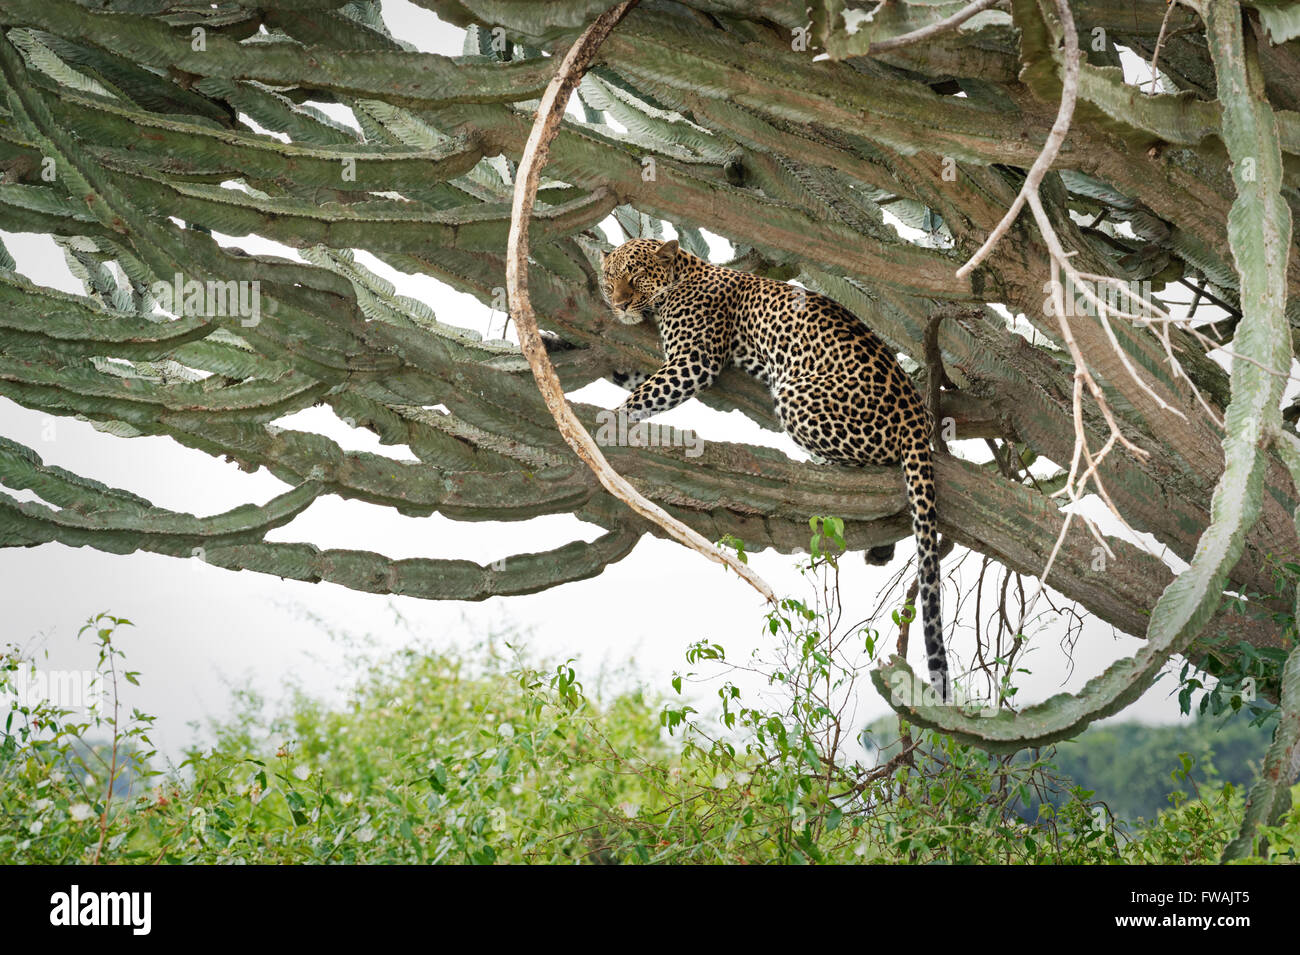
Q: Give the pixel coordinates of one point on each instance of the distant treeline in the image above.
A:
(1132, 766)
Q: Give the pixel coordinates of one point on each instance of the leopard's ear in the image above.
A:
(667, 252)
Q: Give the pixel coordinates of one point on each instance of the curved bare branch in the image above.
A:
(549, 115)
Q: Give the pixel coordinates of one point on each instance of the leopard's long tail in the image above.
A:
(918, 469)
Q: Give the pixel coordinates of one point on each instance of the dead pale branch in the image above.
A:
(549, 115)
(934, 29)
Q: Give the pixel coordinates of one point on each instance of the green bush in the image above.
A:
(485, 757)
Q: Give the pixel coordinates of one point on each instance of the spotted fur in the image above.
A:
(839, 392)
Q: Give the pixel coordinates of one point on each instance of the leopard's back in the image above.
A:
(784, 334)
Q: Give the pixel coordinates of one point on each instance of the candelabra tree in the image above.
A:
(803, 134)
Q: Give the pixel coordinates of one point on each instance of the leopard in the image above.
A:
(839, 392)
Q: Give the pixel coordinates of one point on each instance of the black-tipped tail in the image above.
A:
(918, 469)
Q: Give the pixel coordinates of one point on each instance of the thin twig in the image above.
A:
(112, 773)
(1203, 289)
(924, 33)
(1160, 41)
(938, 376)
(905, 623)
(549, 115)
(1069, 93)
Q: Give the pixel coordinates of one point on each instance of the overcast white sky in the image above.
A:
(198, 628)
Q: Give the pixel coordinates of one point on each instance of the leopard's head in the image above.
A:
(635, 274)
